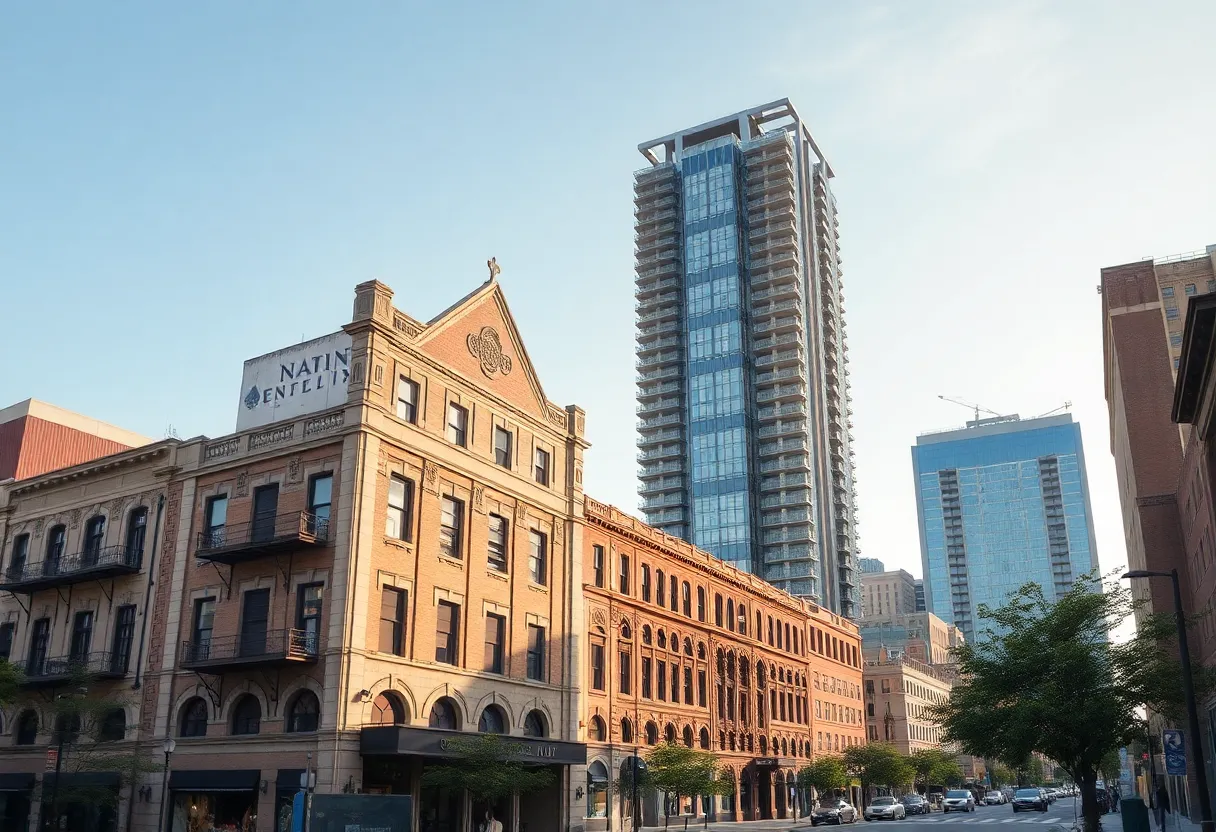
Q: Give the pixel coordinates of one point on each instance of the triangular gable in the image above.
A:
(478, 338)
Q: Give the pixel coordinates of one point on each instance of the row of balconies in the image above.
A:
(671, 243)
(661, 358)
(799, 533)
(645, 274)
(659, 406)
(669, 452)
(796, 428)
(648, 438)
(666, 254)
(652, 231)
(649, 286)
(791, 462)
(662, 484)
(646, 205)
(674, 371)
(653, 330)
(641, 223)
(779, 359)
(663, 313)
(771, 341)
(648, 347)
(663, 501)
(778, 375)
(781, 446)
(654, 187)
(659, 389)
(785, 324)
(781, 392)
(782, 197)
(796, 497)
(661, 421)
(787, 289)
(793, 479)
(778, 411)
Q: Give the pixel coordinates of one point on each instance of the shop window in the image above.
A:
(247, 716)
(193, 722)
(597, 790)
(304, 713)
(535, 725)
(443, 715)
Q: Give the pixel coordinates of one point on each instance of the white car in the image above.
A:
(994, 798)
(958, 800)
(885, 808)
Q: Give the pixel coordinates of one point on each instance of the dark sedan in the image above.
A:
(834, 811)
(914, 804)
(1029, 800)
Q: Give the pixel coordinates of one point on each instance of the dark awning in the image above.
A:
(432, 742)
(83, 780)
(289, 778)
(17, 781)
(215, 780)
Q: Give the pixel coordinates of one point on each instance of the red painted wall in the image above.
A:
(30, 446)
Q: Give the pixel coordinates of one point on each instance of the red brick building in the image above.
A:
(36, 437)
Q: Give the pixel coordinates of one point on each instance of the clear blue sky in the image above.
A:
(186, 185)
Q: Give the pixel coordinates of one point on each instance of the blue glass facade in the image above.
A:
(1000, 505)
(717, 367)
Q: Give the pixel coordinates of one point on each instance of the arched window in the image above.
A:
(492, 721)
(67, 728)
(700, 603)
(730, 614)
(788, 643)
(797, 648)
(686, 598)
(193, 722)
(646, 634)
(597, 790)
(113, 727)
(388, 709)
(669, 733)
(137, 527)
(763, 745)
(443, 715)
(56, 538)
(687, 646)
(717, 610)
(675, 642)
(304, 713)
(770, 631)
(705, 738)
(688, 736)
(626, 631)
(598, 731)
(535, 725)
(626, 731)
(701, 650)
(94, 536)
(652, 733)
(247, 715)
(27, 728)
(662, 639)
(785, 749)
(745, 676)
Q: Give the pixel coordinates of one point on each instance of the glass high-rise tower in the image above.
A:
(1001, 502)
(744, 432)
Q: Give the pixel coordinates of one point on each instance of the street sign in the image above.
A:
(52, 758)
(1175, 751)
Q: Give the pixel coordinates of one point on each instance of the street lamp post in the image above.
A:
(1188, 692)
(168, 746)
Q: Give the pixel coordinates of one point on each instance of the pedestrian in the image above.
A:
(1162, 806)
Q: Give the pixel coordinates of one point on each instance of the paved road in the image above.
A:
(1059, 814)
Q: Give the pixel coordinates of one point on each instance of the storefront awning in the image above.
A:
(17, 781)
(215, 780)
(83, 780)
(433, 742)
(289, 778)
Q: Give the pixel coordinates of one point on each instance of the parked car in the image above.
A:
(958, 800)
(994, 798)
(835, 811)
(914, 804)
(1051, 795)
(885, 808)
(1029, 800)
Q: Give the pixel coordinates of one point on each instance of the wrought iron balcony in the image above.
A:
(44, 672)
(262, 536)
(89, 565)
(270, 649)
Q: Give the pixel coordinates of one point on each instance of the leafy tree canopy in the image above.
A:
(824, 774)
(10, 683)
(488, 766)
(682, 771)
(935, 766)
(877, 764)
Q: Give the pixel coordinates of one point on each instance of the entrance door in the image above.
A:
(746, 797)
(265, 507)
(764, 793)
(254, 618)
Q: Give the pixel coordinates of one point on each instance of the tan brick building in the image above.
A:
(885, 595)
(899, 693)
(684, 648)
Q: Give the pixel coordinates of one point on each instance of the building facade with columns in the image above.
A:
(683, 647)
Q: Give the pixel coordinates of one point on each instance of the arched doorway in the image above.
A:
(779, 793)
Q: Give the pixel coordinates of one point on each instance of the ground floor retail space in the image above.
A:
(76, 801)
(230, 800)
(395, 759)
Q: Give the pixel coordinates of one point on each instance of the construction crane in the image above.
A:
(1064, 406)
(970, 406)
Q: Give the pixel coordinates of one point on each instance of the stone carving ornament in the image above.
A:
(487, 347)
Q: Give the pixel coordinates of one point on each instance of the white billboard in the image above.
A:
(301, 379)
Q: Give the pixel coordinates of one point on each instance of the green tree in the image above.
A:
(877, 764)
(934, 767)
(1002, 775)
(488, 766)
(825, 775)
(10, 683)
(1045, 677)
(684, 772)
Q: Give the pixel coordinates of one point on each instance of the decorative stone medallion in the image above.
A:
(487, 347)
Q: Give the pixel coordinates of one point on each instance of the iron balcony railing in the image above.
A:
(264, 535)
(251, 649)
(45, 670)
(92, 564)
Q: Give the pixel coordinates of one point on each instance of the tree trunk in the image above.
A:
(1090, 809)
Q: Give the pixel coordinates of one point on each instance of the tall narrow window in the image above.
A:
(686, 598)
(597, 667)
(597, 565)
(701, 684)
(407, 400)
(626, 672)
(399, 521)
(538, 558)
(124, 636)
(717, 610)
(137, 529)
(215, 518)
(447, 630)
(82, 636)
(700, 603)
(540, 467)
(94, 536)
(675, 594)
(624, 584)
(40, 638)
(688, 686)
(660, 587)
(7, 630)
(320, 501)
(646, 582)
(309, 601)
(458, 425)
(451, 522)
(496, 631)
(645, 677)
(496, 546)
(392, 620)
(536, 652)
(204, 621)
(661, 679)
(675, 682)
(502, 447)
(21, 554)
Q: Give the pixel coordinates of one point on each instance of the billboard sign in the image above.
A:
(294, 381)
(1175, 751)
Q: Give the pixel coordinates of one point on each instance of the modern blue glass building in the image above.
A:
(1001, 502)
(744, 432)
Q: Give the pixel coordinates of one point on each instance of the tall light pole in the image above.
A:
(1188, 691)
(168, 746)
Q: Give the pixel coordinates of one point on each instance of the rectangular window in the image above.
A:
(1171, 313)
(215, 517)
(124, 637)
(451, 523)
(1175, 339)
(661, 682)
(597, 565)
(701, 685)
(645, 677)
(688, 686)
(675, 683)
(392, 620)
(538, 558)
(624, 574)
(597, 667)
(496, 630)
(886, 685)
(407, 400)
(40, 638)
(82, 635)
(1167, 291)
(645, 582)
(21, 553)
(496, 557)
(399, 522)
(447, 631)
(1212, 285)
(502, 447)
(320, 501)
(204, 621)
(626, 663)
(540, 467)
(1189, 289)
(458, 425)
(7, 631)
(309, 601)
(536, 652)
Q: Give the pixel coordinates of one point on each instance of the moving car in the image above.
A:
(1029, 800)
(834, 810)
(914, 804)
(885, 808)
(994, 799)
(958, 800)
(1051, 795)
